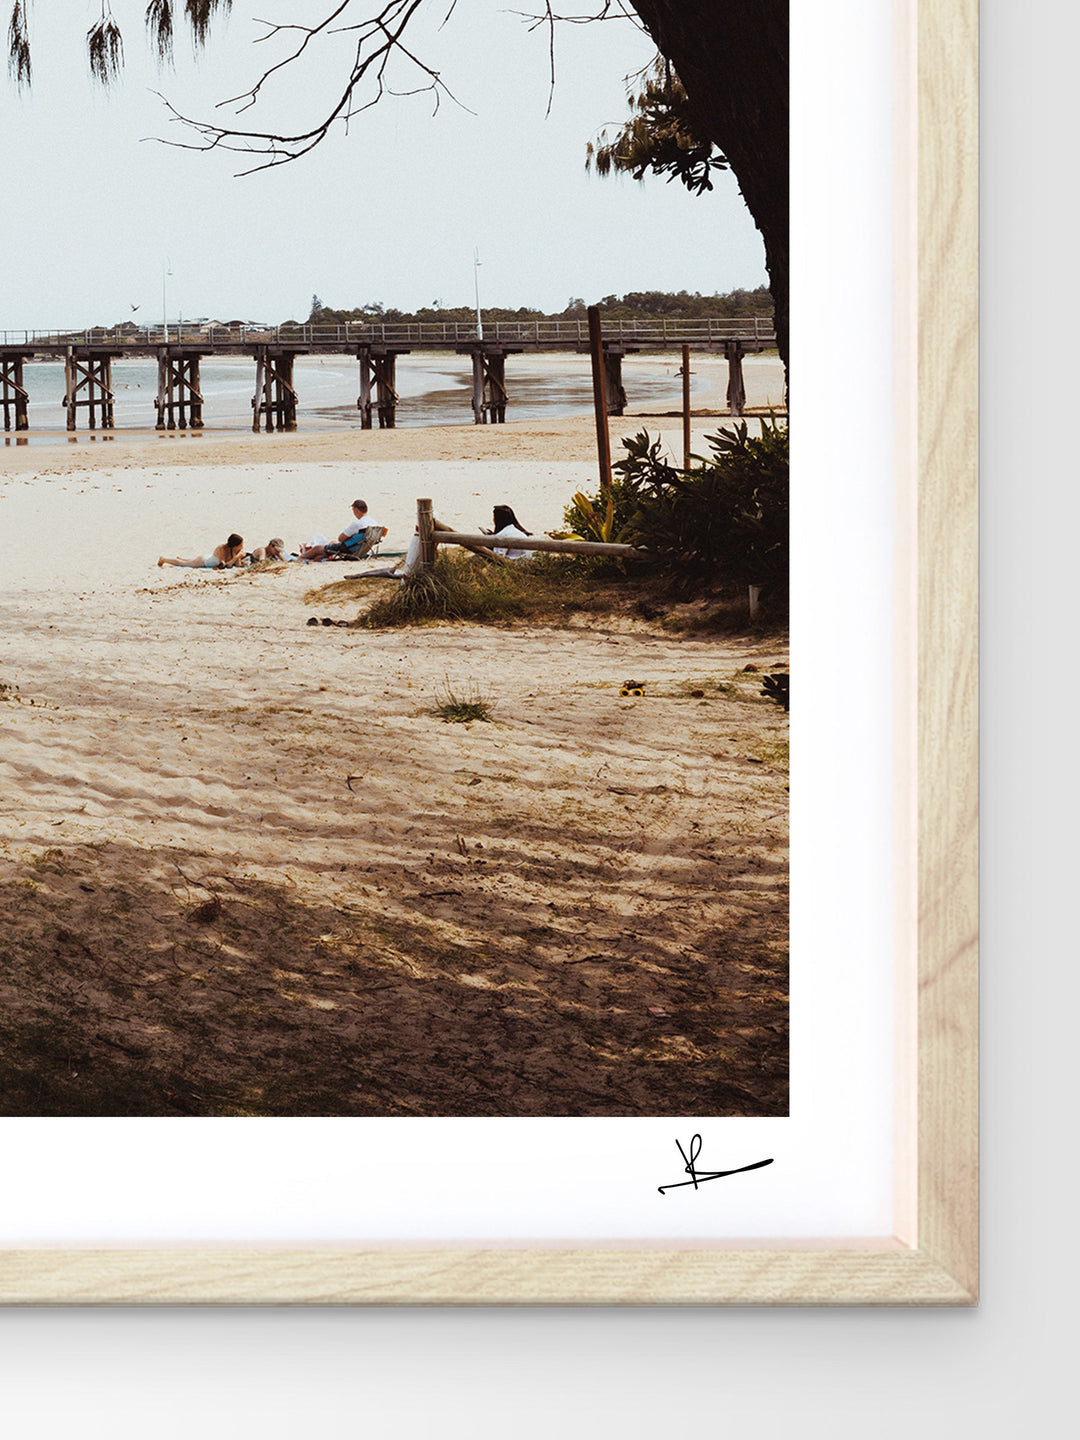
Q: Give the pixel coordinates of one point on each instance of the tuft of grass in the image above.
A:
(463, 587)
(457, 588)
(457, 709)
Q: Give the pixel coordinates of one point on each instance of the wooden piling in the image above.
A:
(614, 391)
(257, 398)
(603, 439)
(489, 393)
(425, 524)
(363, 400)
(13, 395)
(88, 383)
(686, 407)
(385, 392)
(266, 402)
(69, 387)
(179, 399)
(736, 390)
(479, 413)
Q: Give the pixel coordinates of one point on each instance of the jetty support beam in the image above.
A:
(614, 389)
(13, 397)
(736, 390)
(378, 363)
(179, 399)
(489, 395)
(274, 395)
(88, 385)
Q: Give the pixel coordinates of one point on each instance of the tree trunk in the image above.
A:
(732, 58)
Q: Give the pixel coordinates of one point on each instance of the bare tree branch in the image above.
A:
(379, 43)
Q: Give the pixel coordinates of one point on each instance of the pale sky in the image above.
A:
(392, 212)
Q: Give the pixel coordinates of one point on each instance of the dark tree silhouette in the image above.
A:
(732, 59)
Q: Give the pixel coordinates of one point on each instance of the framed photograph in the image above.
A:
(651, 1153)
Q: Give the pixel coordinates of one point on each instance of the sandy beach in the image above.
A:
(247, 870)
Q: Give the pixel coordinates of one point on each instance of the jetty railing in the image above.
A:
(756, 330)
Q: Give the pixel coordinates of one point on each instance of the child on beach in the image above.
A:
(272, 550)
(222, 558)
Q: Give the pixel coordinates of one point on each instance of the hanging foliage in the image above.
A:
(104, 42)
(658, 137)
(105, 48)
(19, 45)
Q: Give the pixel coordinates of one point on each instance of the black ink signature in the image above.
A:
(698, 1177)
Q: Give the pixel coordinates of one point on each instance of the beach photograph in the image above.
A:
(394, 682)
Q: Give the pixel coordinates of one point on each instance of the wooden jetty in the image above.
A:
(88, 357)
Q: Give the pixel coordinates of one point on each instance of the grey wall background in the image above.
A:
(810, 1374)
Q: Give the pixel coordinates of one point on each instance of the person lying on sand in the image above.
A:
(350, 539)
(508, 526)
(222, 558)
(272, 550)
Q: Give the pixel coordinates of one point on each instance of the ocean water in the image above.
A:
(433, 389)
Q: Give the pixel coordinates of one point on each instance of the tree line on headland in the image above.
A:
(635, 305)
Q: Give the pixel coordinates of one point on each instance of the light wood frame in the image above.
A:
(933, 1258)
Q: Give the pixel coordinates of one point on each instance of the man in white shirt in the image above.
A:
(356, 532)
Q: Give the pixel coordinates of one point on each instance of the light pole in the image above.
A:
(165, 271)
(476, 283)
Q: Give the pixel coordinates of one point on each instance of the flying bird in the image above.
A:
(134, 307)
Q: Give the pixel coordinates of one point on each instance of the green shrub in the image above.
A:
(457, 588)
(724, 519)
(721, 523)
(604, 517)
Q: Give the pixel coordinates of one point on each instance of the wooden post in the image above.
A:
(614, 392)
(268, 394)
(14, 392)
(170, 393)
(195, 392)
(603, 439)
(363, 401)
(176, 382)
(496, 378)
(69, 387)
(107, 387)
(386, 395)
(425, 522)
(479, 414)
(107, 372)
(162, 380)
(257, 399)
(736, 391)
(686, 407)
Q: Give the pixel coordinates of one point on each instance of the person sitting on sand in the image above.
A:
(223, 558)
(349, 541)
(272, 550)
(508, 526)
